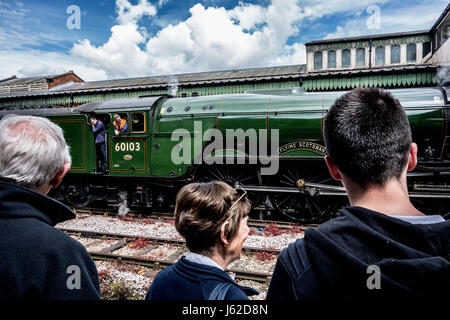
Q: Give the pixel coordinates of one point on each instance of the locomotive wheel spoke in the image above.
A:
(232, 175)
(303, 207)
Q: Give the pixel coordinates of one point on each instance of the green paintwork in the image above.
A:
(80, 139)
(298, 118)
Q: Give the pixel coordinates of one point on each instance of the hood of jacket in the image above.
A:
(20, 202)
(350, 251)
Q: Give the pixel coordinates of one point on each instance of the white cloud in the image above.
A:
(119, 56)
(128, 12)
(39, 63)
(211, 38)
(314, 9)
(248, 15)
(407, 19)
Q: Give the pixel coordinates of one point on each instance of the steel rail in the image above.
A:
(127, 237)
(257, 223)
(107, 254)
(158, 264)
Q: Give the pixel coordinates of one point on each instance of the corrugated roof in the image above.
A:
(189, 79)
(24, 81)
(200, 78)
(7, 79)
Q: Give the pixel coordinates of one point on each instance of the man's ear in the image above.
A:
(55, 182)
(412, 156)
(334, 172)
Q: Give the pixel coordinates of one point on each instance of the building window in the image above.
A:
(184, 95)
(360, 57)
(426, 48)
(411, 53)
(395, 54)
(332, 59)
(379, 55)
(194, 94)
(317, 60)
(346, 58)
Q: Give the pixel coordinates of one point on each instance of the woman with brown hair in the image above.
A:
(212, 217)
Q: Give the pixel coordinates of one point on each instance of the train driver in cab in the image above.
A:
(120, 125)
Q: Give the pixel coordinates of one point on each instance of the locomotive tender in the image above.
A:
(173, 141)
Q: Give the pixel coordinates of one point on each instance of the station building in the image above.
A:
(394, 60)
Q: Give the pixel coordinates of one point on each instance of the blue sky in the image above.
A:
(132, 38)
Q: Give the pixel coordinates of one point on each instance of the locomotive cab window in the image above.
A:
(138, 122)
(120, 124)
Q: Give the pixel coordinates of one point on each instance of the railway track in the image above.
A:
(256, 223)
(113, 243)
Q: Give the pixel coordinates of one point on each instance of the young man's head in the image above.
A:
(368, 137)
(93, 120)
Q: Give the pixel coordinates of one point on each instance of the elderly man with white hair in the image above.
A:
(38, 261)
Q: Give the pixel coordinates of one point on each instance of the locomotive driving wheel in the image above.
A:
(78, 195)
(302, 207)
(234, 175)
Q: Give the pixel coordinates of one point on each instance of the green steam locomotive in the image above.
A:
(269, 142)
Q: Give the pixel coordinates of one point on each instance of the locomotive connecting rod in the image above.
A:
(316, 189)
(312, 189)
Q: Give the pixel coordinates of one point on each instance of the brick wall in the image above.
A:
(64, 79)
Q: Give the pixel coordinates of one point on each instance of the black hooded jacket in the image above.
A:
(38, 261)
(345, 257)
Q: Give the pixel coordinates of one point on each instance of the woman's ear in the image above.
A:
(224, 234)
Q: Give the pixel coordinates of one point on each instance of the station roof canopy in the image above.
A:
(226, 77)
(398, 76)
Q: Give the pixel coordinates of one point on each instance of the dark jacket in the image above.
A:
(187, 280)
(334, 260)
(99, 132)
(38, 261)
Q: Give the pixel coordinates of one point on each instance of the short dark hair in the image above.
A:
(201, 209)
(367, 135)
